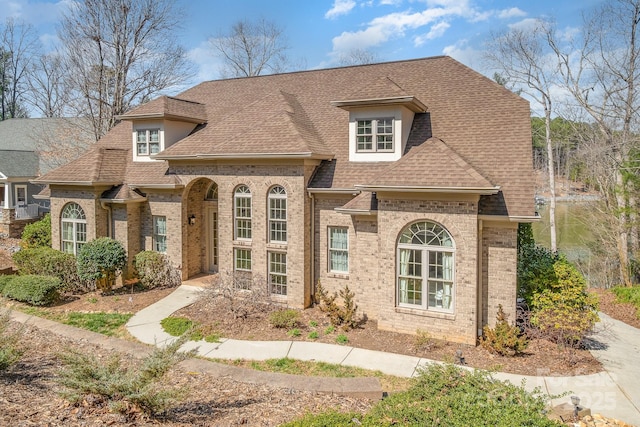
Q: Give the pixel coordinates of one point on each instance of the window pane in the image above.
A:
(338, 249)
(243, 259)
(154, 147)
(154, 135)
(141, 136)
(142, 149)
(278, 273)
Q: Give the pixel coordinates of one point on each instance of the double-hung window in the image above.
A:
(242, 213)
(426, 267)
(278, 273)
(242, 259)
(147, 141)
(374, 135)
(278, 215)
(338, 249)
(160, 234)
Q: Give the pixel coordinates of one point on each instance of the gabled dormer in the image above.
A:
(379, 123)
(160, 123)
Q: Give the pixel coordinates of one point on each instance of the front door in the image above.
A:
(212, 239)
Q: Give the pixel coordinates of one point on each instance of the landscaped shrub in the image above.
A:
(10, 350)
(504, 339)
(565, 312)
(124, 388)
(446, 395)
(4, 279)
(101, 260)
(33, 289)
(285, 319)
(155, 270)
(176, 326)
(244, 294)
(46, 261)
(37, 234)
(345, 315)
(535, 271)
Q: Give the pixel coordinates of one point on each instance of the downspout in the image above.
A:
(479, 281)
(104, 205)
(313, 247)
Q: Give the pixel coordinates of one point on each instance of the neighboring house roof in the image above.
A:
(481, 131)
(46, 136)
(18, 164)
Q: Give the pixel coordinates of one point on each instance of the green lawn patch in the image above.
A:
(109, 324)
(628, 295)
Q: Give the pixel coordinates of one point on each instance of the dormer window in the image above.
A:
(374, 135)
(148, 141)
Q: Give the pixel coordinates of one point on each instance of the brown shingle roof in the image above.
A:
(484, 124)
(274, 124)
(100, 165)
(171, 108)
(432, 164)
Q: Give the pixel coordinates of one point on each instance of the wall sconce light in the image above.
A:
(192, 219)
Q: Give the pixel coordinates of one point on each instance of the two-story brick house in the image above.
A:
(405, 180)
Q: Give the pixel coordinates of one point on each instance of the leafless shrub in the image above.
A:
(244, 295)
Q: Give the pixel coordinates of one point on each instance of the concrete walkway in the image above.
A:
(613, 392)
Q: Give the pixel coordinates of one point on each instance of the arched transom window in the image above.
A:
(242, 212)
(278, 215)
(73, 224)
(212, 192)
(426, 255)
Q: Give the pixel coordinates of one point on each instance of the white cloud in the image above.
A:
(436, 31)
(525, 24)
(514, 12)
(463, 52)
(391, 2)
(340, 7)
(207, 64)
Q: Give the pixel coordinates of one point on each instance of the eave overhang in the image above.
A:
(484, 191)
(511, 218)
(157, 186)
(352, 191)
(364, 212)
(161, 116)
(79, 183)
(228, 156)
(410, 102)
(123, 201)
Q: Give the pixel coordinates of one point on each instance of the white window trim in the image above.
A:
(235, 259)
(147, 127)
(270, 273)
(16, 189)
(330, 249)
(236, 218)
(156, 235)
(374, 135)
(272, 221)
(75, 222)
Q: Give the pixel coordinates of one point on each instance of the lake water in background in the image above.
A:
(572, 230)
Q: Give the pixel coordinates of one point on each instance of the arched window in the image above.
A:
(73, 224)
(426, 255)
(242, 212)
(212, 192)
(277, 215)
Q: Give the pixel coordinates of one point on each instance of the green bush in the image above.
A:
(504, 339)
(10, 350)
(33, 289)
(46, 261)
(37, 234)
(124, 388)
(284, 319)
(565, 311)
(4, 279)
(101, 260)
(155, 270)
(535, 271)
(452, 396)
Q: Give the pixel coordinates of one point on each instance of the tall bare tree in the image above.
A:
(252, 49)
(47, 91)
(118, 53)
(358, 56)
(601, 69)
(18, 47)
(525, 60)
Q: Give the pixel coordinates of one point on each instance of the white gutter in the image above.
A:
(510, 218)
(428, 189)
(305, 155)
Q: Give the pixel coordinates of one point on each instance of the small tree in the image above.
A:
(504, 339)
(37, 234)
(101, 260)
(565, 311)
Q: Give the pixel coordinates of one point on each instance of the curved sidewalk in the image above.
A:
(613, 392)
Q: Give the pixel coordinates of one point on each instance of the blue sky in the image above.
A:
(318, 31)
